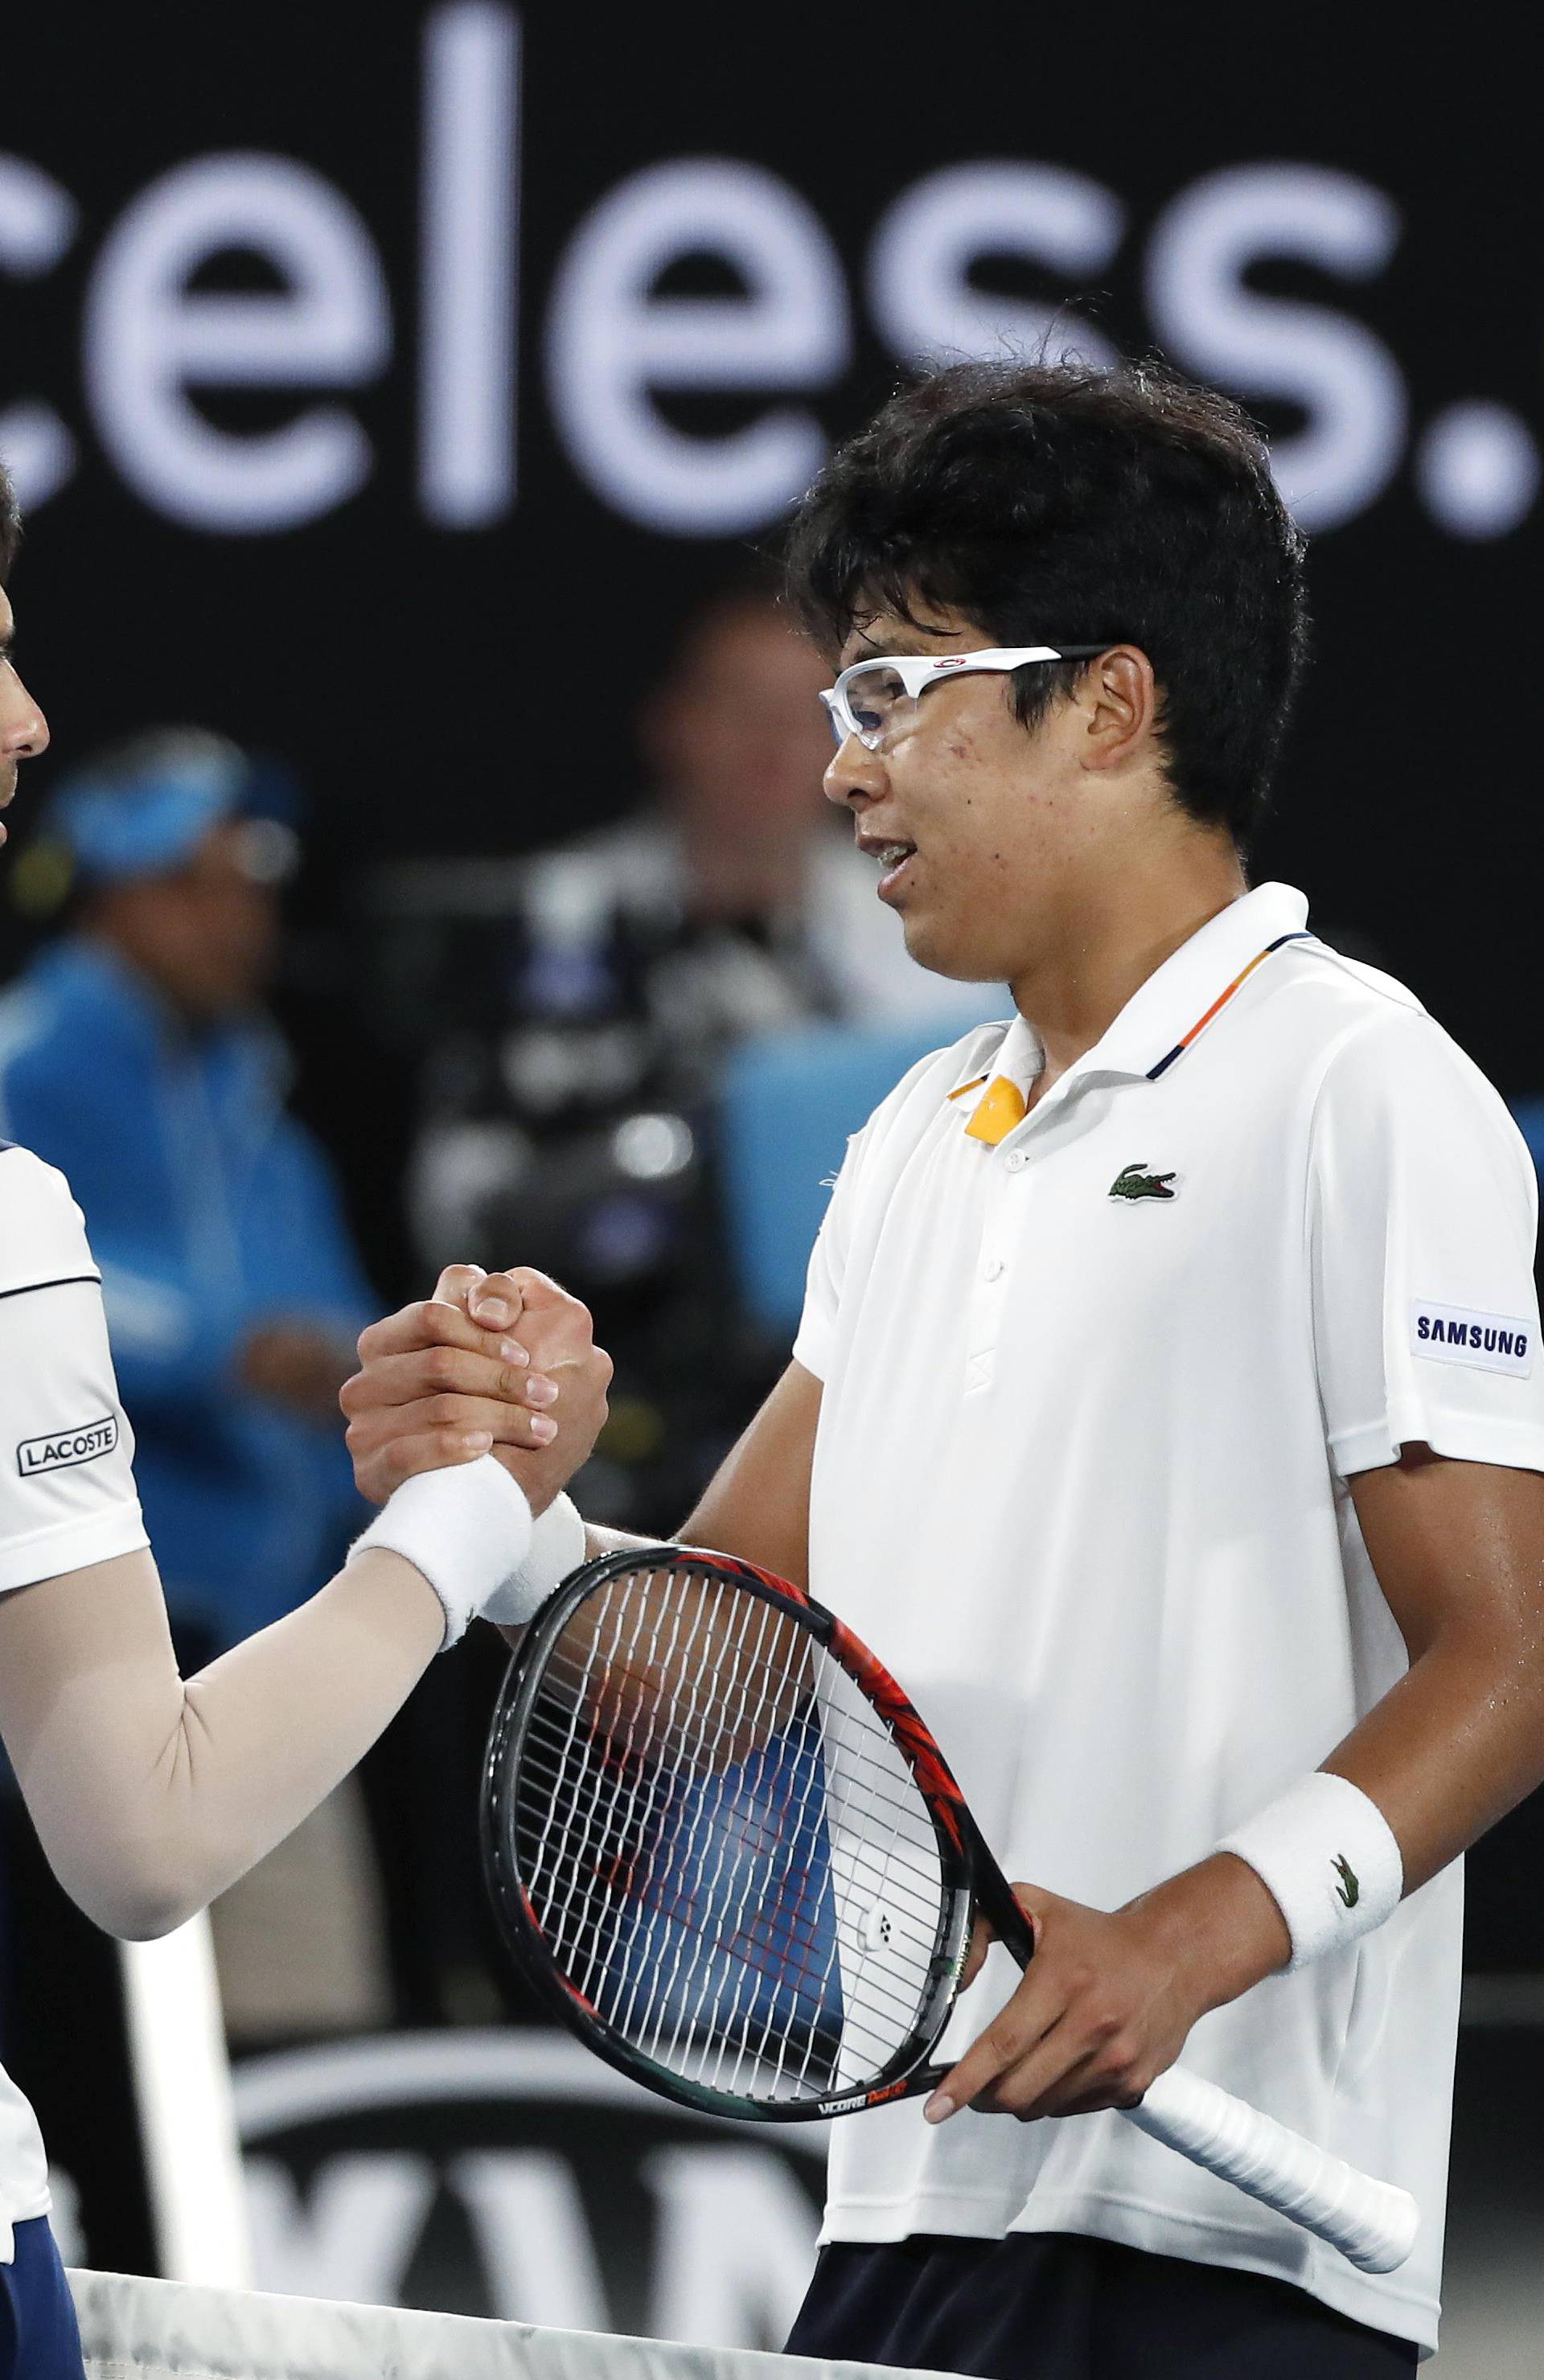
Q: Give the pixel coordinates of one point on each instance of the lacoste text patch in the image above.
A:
(62, 1447)
(1491, 1343)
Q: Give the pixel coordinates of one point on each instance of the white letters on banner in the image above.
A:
(151, 338)
(734, 2255)
(353, 2236)
(529, 2224)
(619, 348)
(1213, 325)
(470, 265)
(925, 245)
(611, 343)
(1478, 469)
(733, 2249)
(37, 226)
(707, 2238)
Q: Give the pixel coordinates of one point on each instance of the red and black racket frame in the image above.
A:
(971, 1877)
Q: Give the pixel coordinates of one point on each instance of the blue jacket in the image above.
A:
(209, 1210)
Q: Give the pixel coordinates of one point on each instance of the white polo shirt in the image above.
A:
(67, 1480)
(1080, 1479)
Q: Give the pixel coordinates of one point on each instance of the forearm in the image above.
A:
(1454, 1746)
(152, 1794)
(267, 1731)
(1448, 1751)
(1218, 1926)
(1458, 1549)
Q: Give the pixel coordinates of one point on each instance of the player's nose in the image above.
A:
(853, 773)
(23, 728)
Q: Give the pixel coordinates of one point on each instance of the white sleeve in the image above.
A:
(1422, 1216)
(828, 1258)
(66, 1453)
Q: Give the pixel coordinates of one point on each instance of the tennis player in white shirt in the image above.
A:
(1166, 1410)
(150, 1793)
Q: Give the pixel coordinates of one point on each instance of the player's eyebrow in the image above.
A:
(906, 644)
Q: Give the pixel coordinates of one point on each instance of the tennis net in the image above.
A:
(134, 2329)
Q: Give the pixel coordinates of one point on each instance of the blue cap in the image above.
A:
(143, 808)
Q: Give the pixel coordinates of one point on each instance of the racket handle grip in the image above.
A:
(1371, 2222)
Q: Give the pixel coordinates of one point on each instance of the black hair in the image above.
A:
(1072, 503)
(10, 524)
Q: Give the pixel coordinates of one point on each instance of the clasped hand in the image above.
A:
(501, 1362)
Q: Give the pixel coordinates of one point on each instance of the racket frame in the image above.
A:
(969, 1873)
(1373, 2223)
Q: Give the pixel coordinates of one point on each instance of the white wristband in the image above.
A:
(462, 1527)
(558, 1544)
(1330, 1858)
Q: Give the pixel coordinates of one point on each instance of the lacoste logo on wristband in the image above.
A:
(1348, 1889)
(1132, 1181)
(62, 1448)
(1490, 1342)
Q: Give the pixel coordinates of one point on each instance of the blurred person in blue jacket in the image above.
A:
(135, 1054)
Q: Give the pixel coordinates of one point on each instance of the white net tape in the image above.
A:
(136, 2329)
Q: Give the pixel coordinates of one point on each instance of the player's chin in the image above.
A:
(945, 946)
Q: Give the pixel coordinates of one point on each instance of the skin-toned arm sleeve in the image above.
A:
(151, 1794)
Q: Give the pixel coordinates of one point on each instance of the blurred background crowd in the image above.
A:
(612, 1059)
(431, 863)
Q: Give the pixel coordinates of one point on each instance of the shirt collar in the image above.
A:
(1164, 1013)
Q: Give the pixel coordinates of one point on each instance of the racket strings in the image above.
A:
(748, 1849)
(797, 1934)
(687, 1858)
(721, 1844)
(604, 1841)
(605, 1830)
(671, 1985)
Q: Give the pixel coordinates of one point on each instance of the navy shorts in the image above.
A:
(1053, 2306)
(39, 2339)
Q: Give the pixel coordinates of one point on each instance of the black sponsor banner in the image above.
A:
(383, 382)
(511, 2173)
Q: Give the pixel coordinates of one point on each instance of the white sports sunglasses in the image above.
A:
(877, 700)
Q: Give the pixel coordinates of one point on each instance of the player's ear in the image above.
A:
(1119, 698)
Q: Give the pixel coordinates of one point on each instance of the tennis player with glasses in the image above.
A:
(1166, 1407)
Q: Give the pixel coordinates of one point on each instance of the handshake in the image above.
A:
(502, 1362)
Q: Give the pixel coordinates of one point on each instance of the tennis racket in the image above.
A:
(727, 1851)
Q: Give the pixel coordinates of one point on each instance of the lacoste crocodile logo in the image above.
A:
(1131, 1181)
(1348, 1889)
